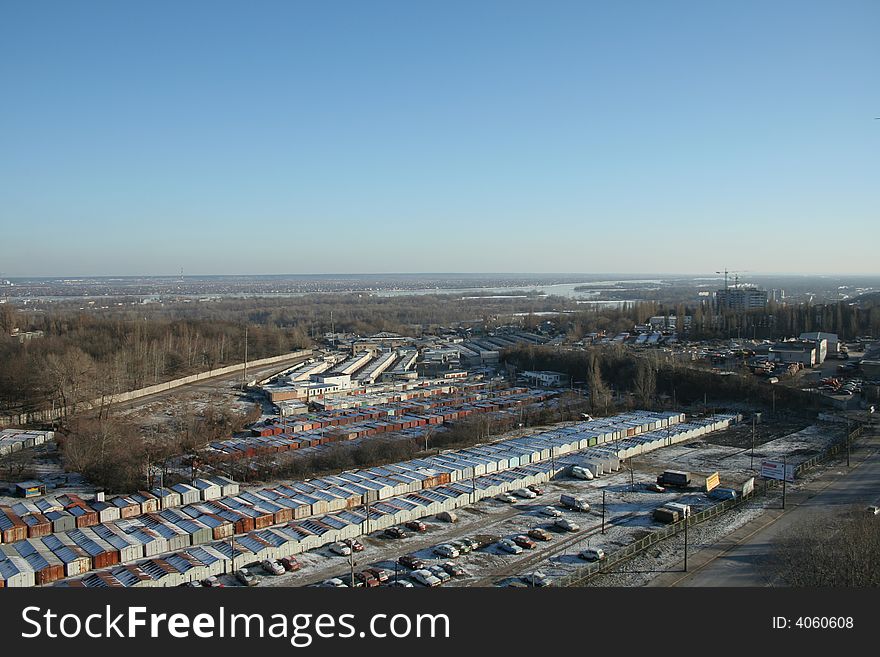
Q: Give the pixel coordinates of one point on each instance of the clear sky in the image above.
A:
(470, 136)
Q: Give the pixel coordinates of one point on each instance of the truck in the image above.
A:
(666, 515)
(719, 493)
(573, 503)
(684, 510)
(675, 478)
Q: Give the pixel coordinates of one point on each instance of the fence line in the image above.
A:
(54, 414)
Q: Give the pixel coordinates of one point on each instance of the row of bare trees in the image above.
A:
(122, 455)
(838, 550)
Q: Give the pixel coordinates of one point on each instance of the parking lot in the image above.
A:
(628, 507)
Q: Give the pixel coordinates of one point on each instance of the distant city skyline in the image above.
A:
(463, 137)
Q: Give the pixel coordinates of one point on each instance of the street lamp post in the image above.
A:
(603, 510)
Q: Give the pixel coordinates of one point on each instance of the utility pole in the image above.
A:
(847, 442)
(632, 474)
(752, 463)
(784, 477)
(244, 380)
(603, 510)
(351, 565)
(686, 522)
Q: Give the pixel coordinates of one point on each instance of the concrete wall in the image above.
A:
(45, 416)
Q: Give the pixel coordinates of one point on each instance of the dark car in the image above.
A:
(352, 582)
(395, 532)
(411, 562)
(416, 526)
(379, 573)
(537, 490)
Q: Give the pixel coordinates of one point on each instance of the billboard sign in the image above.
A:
(712, 481)
(777, 470)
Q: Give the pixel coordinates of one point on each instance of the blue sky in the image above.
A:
(320, 137)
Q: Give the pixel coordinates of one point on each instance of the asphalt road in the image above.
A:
(740, 565)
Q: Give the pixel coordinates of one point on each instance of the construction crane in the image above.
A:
(736, 277)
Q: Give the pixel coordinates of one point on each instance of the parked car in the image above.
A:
(440, 573)
(409, 561)
(401, 583)
(194, 584)
(592, 554)
(540, 534)
(525, 493)
(395, 532)
(506, 545)
(566, 525)
(551, 511)
(873, 510)
(657, 488)
(463, 546)
(352, 581)
(290, 564)
(380, 574)
(581, 473)
(537, 578)
(472, 543)
(333, 582)
(354, 544)
(368, 578)
(340, 548)
(416, 526)
(425, 577)
(537, 490)
(524, 542)
(272, 567)
(453, 569)
(446, 550)
(506, 497)
(246, 577)
(212, 581)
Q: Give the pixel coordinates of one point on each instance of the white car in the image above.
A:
(401, 584)
(581, 473)
(506, 497)
(537, 578)
(592, 554)
(566, 525)
(525, 493)
(446, 550)
(334, 582)
(552, 512)
(272, 567)
(340, 548)
(507, 545)
(426, 577)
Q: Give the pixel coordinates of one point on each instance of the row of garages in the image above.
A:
(604, 458)
(314, 532)
(365, 423)
(14, 440)
(447, 396)
(53, 514)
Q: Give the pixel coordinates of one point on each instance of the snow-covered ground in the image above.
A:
(628, 518)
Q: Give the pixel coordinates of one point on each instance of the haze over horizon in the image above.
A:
(293, 138)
